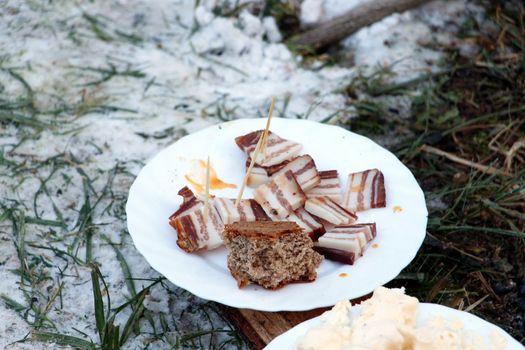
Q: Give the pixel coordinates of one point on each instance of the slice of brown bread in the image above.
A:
(270, 253)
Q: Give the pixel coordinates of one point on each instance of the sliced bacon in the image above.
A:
(303, 167)
(281, 196)
(277, 149)
(261, 174)
(346, 250)
(304, 170)
(354, 241)
(340, 255)
(365, 190)
(270, 170)
(346, 243)
(248, 210)
(275, 168)
(310, 225)
(258, 176)
(368, 229)
(193, 233)
(329, 186)
(328, 210)
(328, 226)
(189, 202)
(307, 222)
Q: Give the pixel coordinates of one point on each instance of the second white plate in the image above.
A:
(153, 198)
(288, 340)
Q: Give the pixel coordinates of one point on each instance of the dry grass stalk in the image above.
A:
(483, 168)
(475, 304)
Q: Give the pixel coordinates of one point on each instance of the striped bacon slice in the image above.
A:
(258, 176)
(277, 149)
(270, 170)
(310, 225)
(248, 210)
(365, 190)
(261, 174)
(329, 186)
(327, 209)
(344, 250)
(193, 233)
(304, 170)
(281, 196)
(189, 202)
(346, 243)
(368, 229)
(307, 222)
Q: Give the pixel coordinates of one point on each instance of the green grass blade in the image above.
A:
(64, 340)
(124, 266)
(99, 304)
(138, 296)
(133, 319)
(111, 335)
(24, 120)
(45, 222)
(13, 304)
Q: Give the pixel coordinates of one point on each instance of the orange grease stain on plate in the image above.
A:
(197, 177)
(397, 209)
(375, 245)
(343, 275)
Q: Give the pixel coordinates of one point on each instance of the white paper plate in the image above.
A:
(153, 198)
(288, 340)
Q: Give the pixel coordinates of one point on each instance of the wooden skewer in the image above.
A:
(206, 200)
(248, 171)
(262, 140)
(265, 134)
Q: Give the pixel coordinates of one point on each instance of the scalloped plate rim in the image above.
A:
(205, 291)
(290, 337)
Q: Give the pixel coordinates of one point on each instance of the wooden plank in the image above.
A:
(258, 328)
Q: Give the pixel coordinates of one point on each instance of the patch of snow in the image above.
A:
(250, 24)
(398, 35)
(203, 16)
(272, 32)
(335, 8)
(188, 66)
(219, 36)
(396, 41)
(311, 12)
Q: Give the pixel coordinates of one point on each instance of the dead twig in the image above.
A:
(451, 246)
(333, 31)
(513, 152)
(483, 168)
